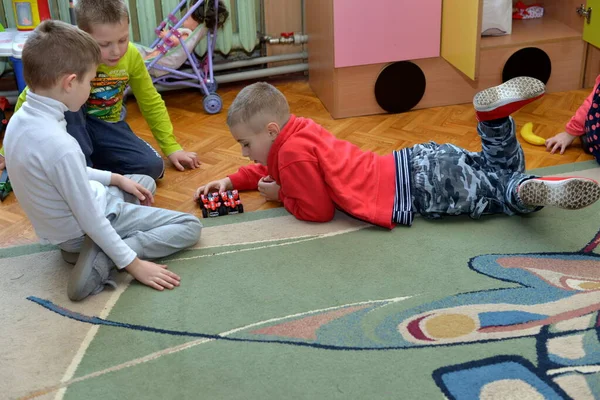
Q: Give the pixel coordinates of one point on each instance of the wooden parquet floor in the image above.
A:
(220, 154)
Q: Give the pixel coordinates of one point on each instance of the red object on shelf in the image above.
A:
(287, 34)
(522, 11)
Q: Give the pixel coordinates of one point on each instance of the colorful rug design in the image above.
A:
(502, 307)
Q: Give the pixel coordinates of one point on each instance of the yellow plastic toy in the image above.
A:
(29, 13)
(530, 137)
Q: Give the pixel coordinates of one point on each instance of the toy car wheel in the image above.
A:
(223, 210)
(212, 103)
(204, 213)
(240, 208)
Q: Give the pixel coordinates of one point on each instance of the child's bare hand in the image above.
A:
(156, 276)
(2, 163)
(144, 195)
(560, 142)
(268, 188)
(182, 159)
(217, 186)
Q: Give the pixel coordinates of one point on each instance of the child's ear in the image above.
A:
(273, 129)
(68, 81)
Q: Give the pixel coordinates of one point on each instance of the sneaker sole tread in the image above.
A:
(516, 89)
(572, 194)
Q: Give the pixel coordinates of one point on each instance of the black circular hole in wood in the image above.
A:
(529, 61)
(400, 86)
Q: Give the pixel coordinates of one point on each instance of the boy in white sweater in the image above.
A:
(105, 217)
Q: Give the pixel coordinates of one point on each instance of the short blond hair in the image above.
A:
(55, 49)
(258, 104)
(99, 12)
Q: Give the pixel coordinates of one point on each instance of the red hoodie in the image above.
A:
(317, 173)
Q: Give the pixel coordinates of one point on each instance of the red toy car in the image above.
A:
(217, 204)
(231, 200)
(211, 205)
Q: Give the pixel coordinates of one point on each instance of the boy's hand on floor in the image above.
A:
(268, 188)
(144, 195)
(156, 276)
(2, 163)
(560, 142)
(221, 185)
(184, 159)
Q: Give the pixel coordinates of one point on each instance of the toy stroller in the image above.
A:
(175, 44)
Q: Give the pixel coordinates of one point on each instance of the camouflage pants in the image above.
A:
(449, 180)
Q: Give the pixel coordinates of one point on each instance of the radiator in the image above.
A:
(238, 33)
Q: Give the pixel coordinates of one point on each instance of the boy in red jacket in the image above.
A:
(312, 172)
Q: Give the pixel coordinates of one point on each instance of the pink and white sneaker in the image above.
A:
(571, 193)
(503, 100)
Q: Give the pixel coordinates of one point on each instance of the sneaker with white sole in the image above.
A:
(571, 193)
(503, 100)
(90, 274)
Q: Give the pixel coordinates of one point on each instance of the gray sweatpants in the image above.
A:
(449, 180)
(151, 232)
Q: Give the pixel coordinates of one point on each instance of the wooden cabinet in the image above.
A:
(466, 63)
(464, 48)
(461, 33)
(591, 27)
(385, 31)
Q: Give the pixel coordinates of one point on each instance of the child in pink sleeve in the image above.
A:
(585, 123)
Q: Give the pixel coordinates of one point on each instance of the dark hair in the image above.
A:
(207, 14)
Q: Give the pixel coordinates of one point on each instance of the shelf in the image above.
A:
(531, 31)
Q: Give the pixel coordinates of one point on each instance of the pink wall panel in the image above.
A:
(378, 31)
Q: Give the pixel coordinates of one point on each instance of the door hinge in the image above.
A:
(585, 13)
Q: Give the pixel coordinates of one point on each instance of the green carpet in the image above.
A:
(486, 309)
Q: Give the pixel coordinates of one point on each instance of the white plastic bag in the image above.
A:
(497, 17)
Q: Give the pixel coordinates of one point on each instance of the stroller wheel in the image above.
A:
(212, 103)
(212, 86)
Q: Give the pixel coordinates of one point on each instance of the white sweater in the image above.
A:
(62, 197)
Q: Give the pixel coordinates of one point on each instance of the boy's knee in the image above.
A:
(147, 182)
(155, 167)
(195, 227)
